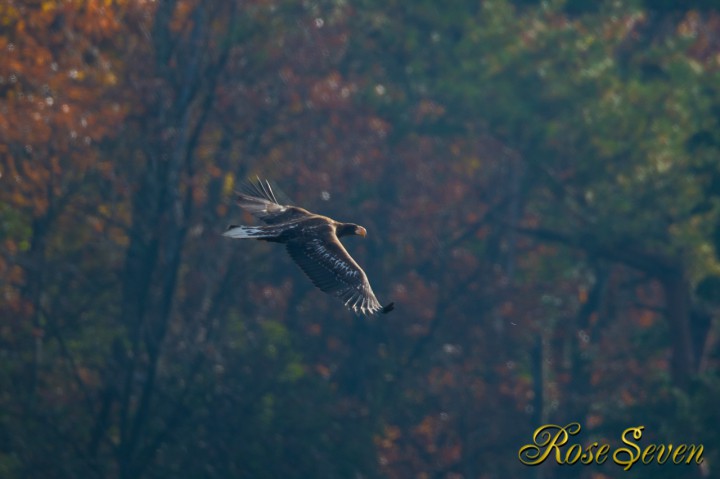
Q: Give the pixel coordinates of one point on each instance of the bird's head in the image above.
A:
(347, 229)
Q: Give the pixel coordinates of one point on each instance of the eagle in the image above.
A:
(312, 242)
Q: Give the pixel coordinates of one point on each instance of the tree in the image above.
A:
(610, 110)
(537, 181)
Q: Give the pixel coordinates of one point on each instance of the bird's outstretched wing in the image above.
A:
(257, 198)
(331, 268)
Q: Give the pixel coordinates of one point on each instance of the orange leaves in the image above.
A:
(332, 92)
(25, 185)
(582, 294)
(323, 371)
(58, 98)
(427, 430)
(627, 398)
(647, 318)
(428, 109)
(441, 379)
(99, 20)
(90, 125)
(431, 445)
(379, 126)
(181, 21)
(419, 297)
(273, 297)
(390, 435)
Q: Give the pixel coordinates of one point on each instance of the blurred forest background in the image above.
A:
(541, 187)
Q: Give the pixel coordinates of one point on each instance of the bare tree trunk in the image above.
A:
(669, 272)
(678, 305)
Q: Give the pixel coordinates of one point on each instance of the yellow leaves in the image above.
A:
(76, 74)
(110, 79)
(8, 14)
(228, 184)
(48, 5)
(104, 210)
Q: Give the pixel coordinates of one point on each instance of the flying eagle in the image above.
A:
(312, 241)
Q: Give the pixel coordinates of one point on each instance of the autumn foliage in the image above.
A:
(539, 182)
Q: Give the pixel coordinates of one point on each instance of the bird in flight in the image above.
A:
(312, 242)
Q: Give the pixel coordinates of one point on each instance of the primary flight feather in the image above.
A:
(312, 242)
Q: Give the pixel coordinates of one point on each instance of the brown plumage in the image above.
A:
(312, 241)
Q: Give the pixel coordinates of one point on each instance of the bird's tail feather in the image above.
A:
(268, 190)
(259, 189)
(254, 204)
(259, 232)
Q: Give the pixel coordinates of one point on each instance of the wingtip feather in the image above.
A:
(386, 309)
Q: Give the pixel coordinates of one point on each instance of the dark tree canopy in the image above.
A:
(544, 175)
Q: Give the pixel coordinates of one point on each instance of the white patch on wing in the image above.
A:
(247, 232)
